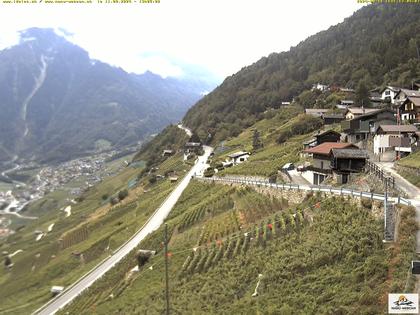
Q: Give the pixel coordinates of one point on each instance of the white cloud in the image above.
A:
(222, 35)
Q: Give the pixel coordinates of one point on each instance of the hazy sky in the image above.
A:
(221, 35)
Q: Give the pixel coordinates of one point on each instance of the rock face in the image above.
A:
(56, 103)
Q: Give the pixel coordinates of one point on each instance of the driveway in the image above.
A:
(297, 178)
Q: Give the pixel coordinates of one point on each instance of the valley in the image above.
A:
(292, 188)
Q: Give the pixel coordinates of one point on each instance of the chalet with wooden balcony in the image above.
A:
(403, 94)
(409, 110)
(364, 126)
(395, 141)
(336, 160)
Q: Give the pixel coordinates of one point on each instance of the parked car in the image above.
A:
(288, 167)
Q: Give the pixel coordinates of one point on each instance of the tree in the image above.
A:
(122, 194)
(362, 94)
(195, 138)
(152, 179)
(256, 141)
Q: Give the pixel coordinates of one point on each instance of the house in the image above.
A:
(317, 112)
(327, 136)
(402, 95)
(321, 165)
(394, 141)
(388, 93)
(346, 161)
(347, 102)
(330, 119)
(364, 126)
(190, 147)
(321, 87)
(351, 113)
(375, 96)
(321, 137)
(167, 152)
(409, 110)
(346, 90)
(239, 157)
(285, 103)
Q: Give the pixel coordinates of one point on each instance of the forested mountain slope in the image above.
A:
(377, 45)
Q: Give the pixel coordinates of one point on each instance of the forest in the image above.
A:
(377, 46)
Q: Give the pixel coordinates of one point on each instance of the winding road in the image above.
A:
(152, 224)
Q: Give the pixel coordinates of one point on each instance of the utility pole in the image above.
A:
(166, 269)
(385, 204)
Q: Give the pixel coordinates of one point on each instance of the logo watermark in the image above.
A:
(403, 303)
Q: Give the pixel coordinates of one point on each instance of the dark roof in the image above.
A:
(327, 132)
(238, 154)
(326, 147)
(350, 154)
(414, 100)
(412, 93)
(392, 88)
(397, 128)
(312, 140)
(373, 113)
(341, 116)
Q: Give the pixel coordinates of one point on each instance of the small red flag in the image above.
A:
(169, 254)
(318, 205)
(270, 226)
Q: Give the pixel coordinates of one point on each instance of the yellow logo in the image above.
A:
(402, 300)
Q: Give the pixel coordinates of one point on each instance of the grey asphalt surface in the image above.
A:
(151, 225)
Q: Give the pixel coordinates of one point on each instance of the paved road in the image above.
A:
(187, 130)
(151, 225)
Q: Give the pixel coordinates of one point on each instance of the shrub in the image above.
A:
(122, 194)
(152, 179)
(113, 201)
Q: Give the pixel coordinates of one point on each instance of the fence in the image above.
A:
(328, 189)
(374, 169)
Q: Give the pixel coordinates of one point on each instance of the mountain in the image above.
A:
(377, 45)
(57, 103)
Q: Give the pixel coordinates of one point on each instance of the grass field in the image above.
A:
(413, 160)
(77, 242)
(333, 264)
(5, 186)
(269, 159)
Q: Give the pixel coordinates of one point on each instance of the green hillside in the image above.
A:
(374, 47)
(323, 260)
(99, 223)
(281, 134)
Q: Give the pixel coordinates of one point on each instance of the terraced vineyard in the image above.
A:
(297, 257)
(203, 258)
